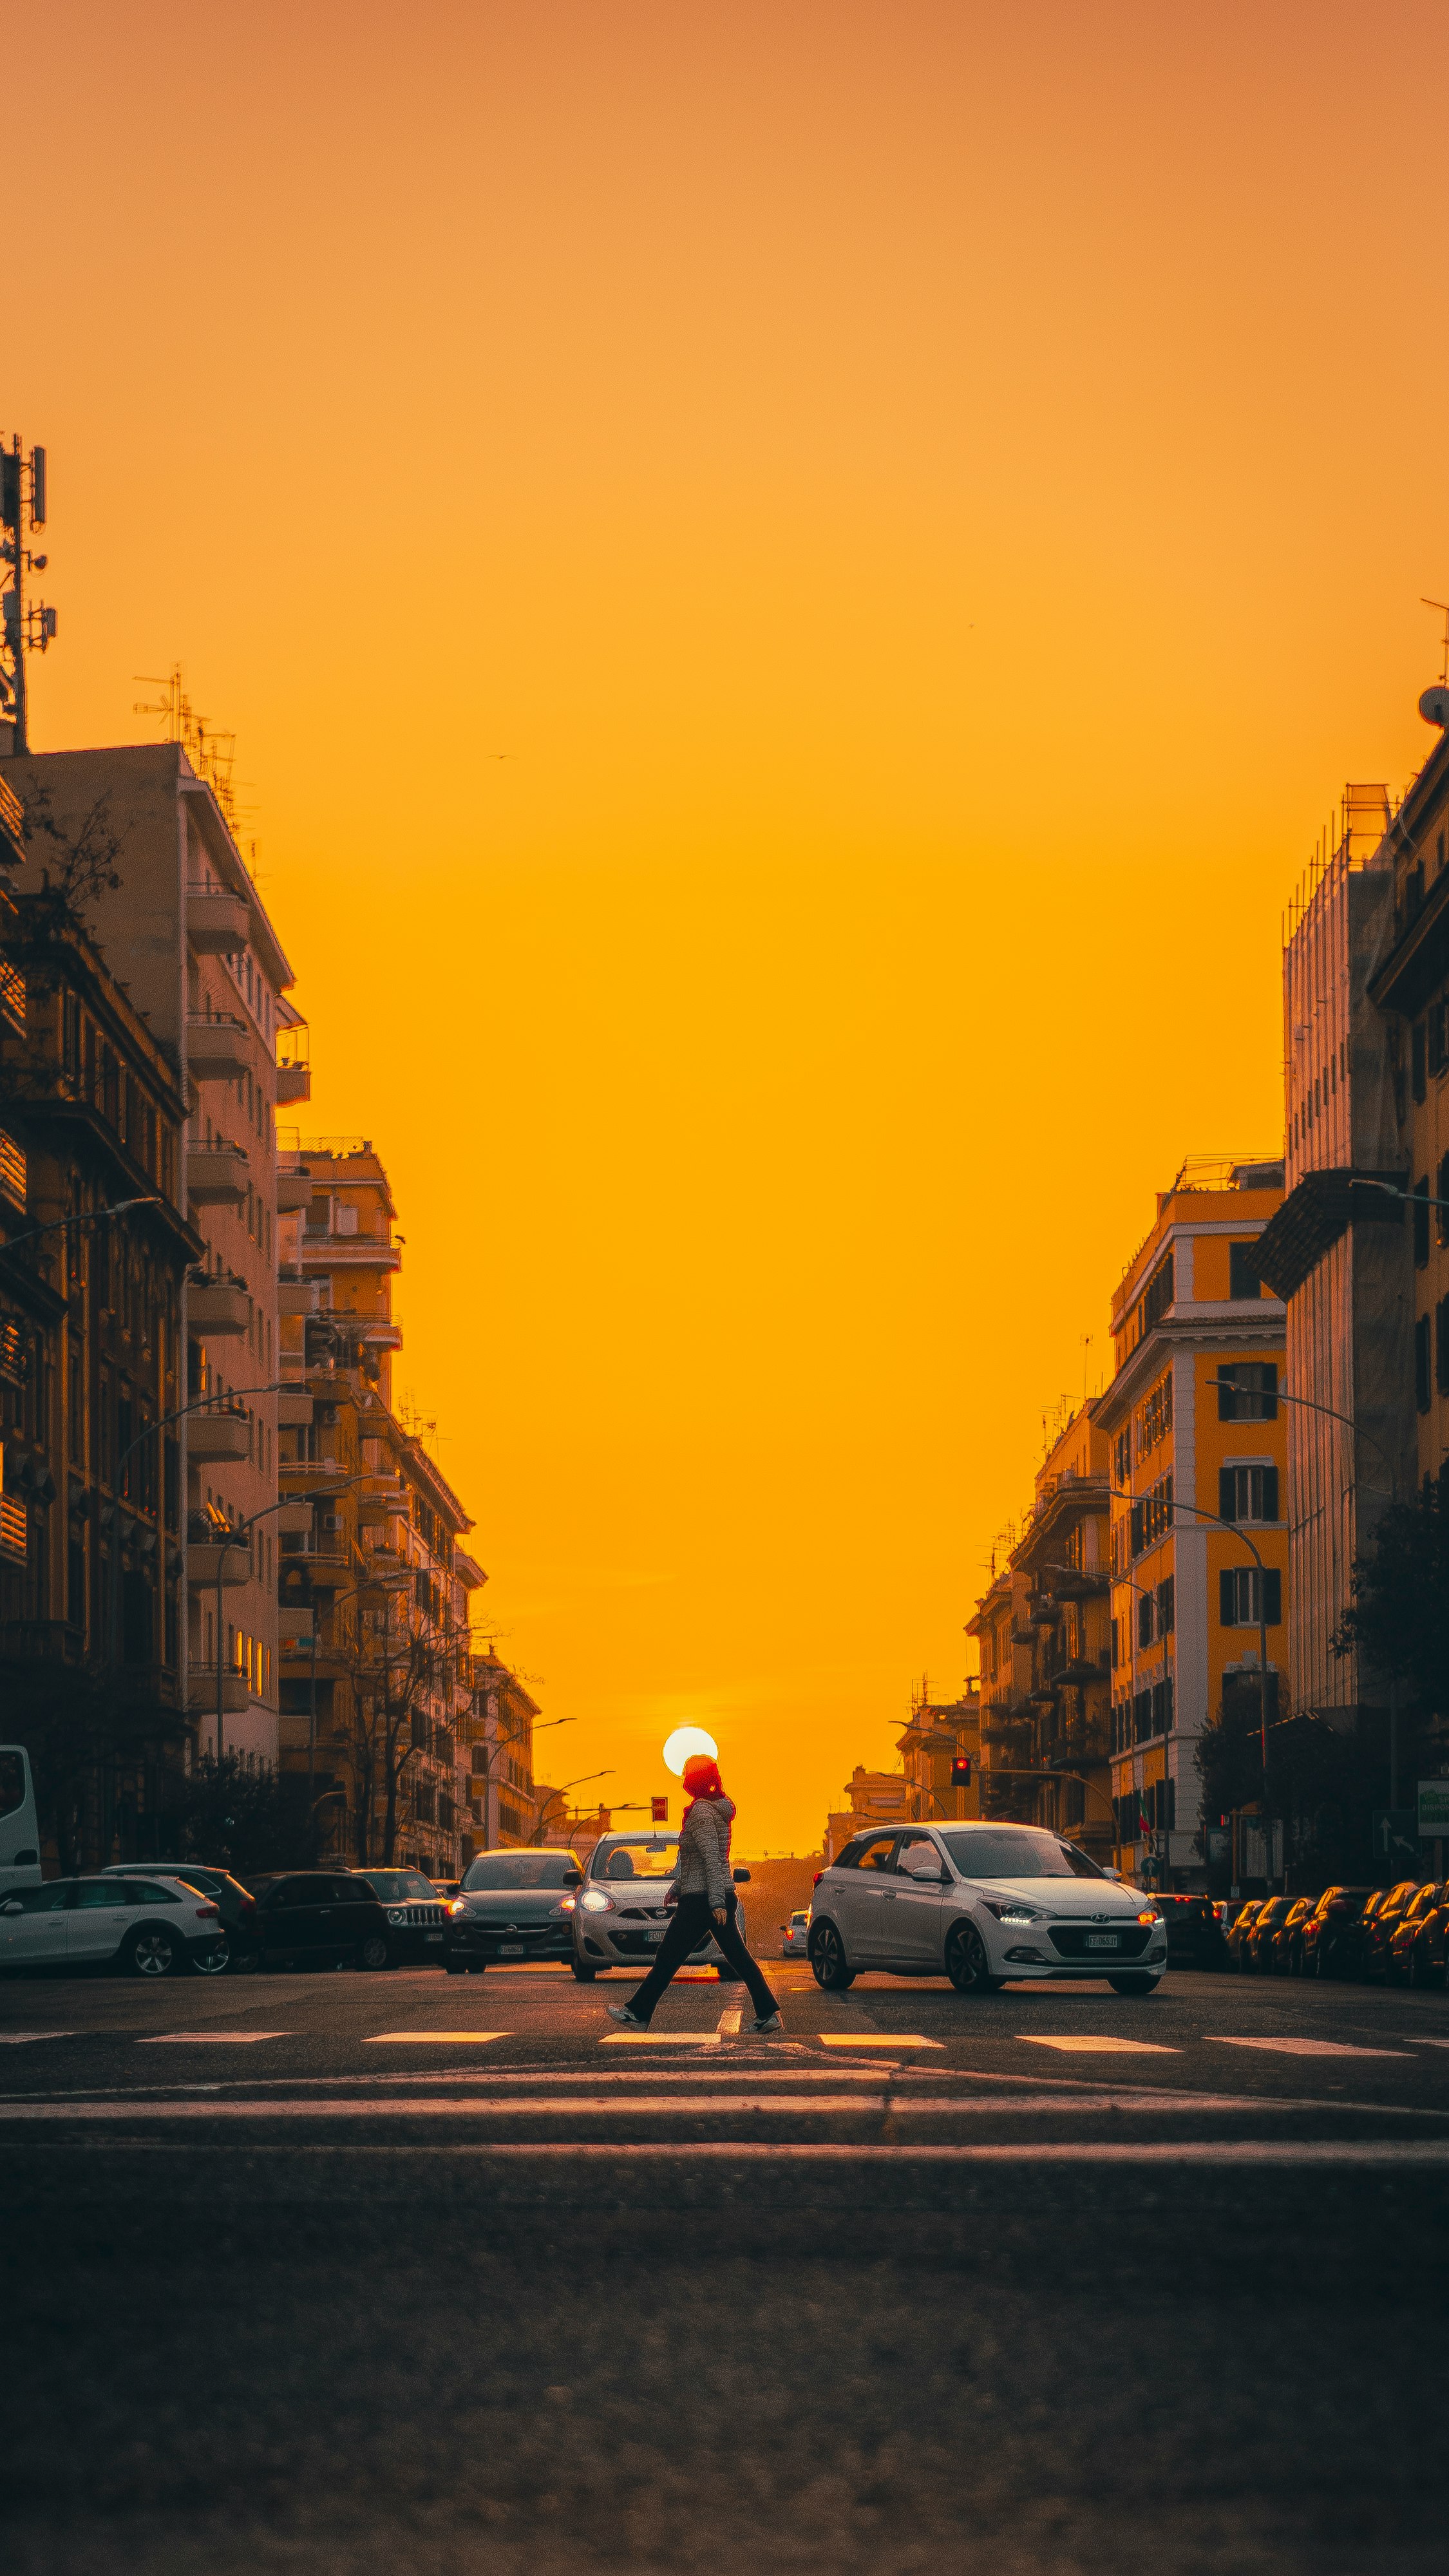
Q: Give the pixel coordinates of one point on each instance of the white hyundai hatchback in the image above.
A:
(981, 1904)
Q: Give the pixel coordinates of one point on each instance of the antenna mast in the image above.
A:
(25, 630)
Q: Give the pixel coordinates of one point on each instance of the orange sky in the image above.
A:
(931, 501)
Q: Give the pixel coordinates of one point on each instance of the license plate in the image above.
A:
(1101, 1940)
(653, 1936)
(510, 1949)
(432, 1936)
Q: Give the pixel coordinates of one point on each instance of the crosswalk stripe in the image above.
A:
(659, 2039)
(209, 2038)
(1305, 2047)
(729, 2022)
(434, 2038)
(22, 2038)
(872, 2039)
(1096, 2045)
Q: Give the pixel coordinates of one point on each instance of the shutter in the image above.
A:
(1227, 1494)
(1227, 1395)
(1272, 1596)
(1270, 1493)
(1227, 1598)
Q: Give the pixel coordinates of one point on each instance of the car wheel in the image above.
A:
(584, 1975)
(152, 1950)
(828, 1961)
(967, 1965)
(455, 1967)
(1138, 1984)
(211, 1963)
(244, 1963)
(373, 1952)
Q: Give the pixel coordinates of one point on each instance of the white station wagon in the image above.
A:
(981, 1904)
(151, 1926)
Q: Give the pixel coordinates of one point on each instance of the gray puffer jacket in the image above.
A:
(704, 1850)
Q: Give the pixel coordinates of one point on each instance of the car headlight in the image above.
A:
(1010, 1909)
(565, 1905)
(459, 1906)
(394, 1914)
(594, 1901)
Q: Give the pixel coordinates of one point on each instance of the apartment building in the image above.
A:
(1196, 1453)
(872, 1798)
(941, 1733)
(374, 1579)
(186, 937)
(1339, 1251)
(506, 1805)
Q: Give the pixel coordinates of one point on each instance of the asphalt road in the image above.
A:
(353, 2272)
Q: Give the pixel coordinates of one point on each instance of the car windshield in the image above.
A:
(650, 1856)
(1011, 1852)
(397, 1886)
(512, 1871)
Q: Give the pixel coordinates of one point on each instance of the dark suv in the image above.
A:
(311, 1918)
(417, 1916)
(1194, 1933)
(1328, 1935)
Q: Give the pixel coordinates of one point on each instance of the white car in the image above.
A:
(983, 1904)
(149, 1926)
(621, 1911)
(796, 1942)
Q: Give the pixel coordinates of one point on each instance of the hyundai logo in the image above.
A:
(1099, 1918)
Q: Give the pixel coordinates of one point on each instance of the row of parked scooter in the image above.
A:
(1380, 1935)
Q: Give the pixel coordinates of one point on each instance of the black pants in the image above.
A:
(689, 1922)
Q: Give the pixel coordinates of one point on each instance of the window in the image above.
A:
(1438, 1046)
(1248, 1391)
(1441, 1346)
(1441, 1193)
(1162, 1706)
(1142, 1716)
(1158, 1296)
(1152, 1516)
(1243, 1279)
(1166, 1606)
(1248, 1493)
(1145, 1608)
(1418, 1057)
(1121, 1459)
(1421, 1364)
(1240, 1590)
(1421, 1223)
(1155, 1419)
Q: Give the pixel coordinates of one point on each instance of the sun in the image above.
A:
(685, 1741)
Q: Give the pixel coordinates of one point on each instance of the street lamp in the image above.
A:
(500, 1745)
(97, 1216)
(563, 1792)
(198, 1404)
(240, 1536)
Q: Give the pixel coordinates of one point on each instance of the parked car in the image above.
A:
(1282, 1954)
(417, 1916)
(1418, 1949)
(447, 1888)
(237, 1907)
(620, 1914)
(981, 1904)
(1329, 1926)
(313, 1918)
(149, 1927)
(1355, 1935)
(1237, 1931)
(796, 1941)
(1379, 1929)
(1252, 1946)
(1194, 1933)
(512, 1905)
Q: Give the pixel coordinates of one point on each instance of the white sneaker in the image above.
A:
(621, 2012)
(767, 2022)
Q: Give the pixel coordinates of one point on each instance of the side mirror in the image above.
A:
(12, 1905)
(741, 1877)
(573, 1878)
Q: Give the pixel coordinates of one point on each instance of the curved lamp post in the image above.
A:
(198, 1404)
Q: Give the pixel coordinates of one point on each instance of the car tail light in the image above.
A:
(815, 1882)
(248, 1906)
(209, 1913)
(1149, 1914)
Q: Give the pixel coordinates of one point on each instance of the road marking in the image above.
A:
(1305, 2047)
(434, 2038)
(1268, 2152)
(1100, 2045)
(208, 2038)
(659, 2039)
(729, 2022)
(853, 2039)
(1420, 2041)
(22, 2038)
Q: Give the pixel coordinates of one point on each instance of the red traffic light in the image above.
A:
(961, 1771)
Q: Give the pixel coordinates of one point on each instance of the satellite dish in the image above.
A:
(1434, 705)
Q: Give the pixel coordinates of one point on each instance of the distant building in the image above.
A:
(942, 1732)
(506, 1804)
(875, 1797)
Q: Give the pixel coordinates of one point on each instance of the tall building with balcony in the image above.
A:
(507, 1804)
(1196, 1453)
(91, 1359)
(375, 1581)
(185, 935)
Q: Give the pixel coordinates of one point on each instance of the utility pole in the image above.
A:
(22, 498)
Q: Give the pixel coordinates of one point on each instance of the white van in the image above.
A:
(19, 1833)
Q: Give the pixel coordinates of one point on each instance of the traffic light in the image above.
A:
(961, 1771)
(659, 1810)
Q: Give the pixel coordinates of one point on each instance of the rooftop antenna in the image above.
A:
(1434, 704)
(23, 630)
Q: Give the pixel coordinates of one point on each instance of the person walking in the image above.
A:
(705, 1903)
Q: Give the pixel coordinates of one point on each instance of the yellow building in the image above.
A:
(1192, 1461)
(940, 1733)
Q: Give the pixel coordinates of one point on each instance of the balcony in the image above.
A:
(383, 1335)
(236, 1696)
(218, 1047)
(218, 1309)
(216, 1175)
(294, 1411)
(212, 1438)
(293, 1520)
(204, 1558)
(297, 1296)
(294, 1082)
(12, 996)
(294, 1190)
(218, 924)
(327, 1561)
